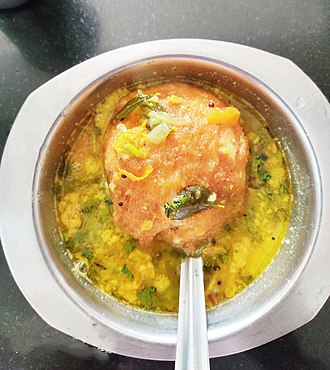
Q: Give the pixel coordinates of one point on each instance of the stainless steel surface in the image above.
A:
(192, 349)
(292, 289)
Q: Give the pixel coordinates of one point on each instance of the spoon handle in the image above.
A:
(192, 350)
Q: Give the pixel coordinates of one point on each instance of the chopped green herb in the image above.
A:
(148, 297)
(90, 205)
(108, 201)
(145, 298)
(87, 253)
(282, 190)
(167, 210)
(224, 258)
(259, 176)
(178, 201)
(68, 244)
(127, 272)
(129, 246)
(67, 241)
(265, 176)
(81, 236)
(252, 228)
(248, 279)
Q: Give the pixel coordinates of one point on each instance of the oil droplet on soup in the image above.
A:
(148, 276)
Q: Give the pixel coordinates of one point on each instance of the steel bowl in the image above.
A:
(294, 286)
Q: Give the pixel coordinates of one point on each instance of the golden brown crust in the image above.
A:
(209, 155)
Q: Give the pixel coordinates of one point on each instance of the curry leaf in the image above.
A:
(131, 105)
(189, 201)
(141, 99)
(154, 106)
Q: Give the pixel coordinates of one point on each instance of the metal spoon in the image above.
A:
(192, 351)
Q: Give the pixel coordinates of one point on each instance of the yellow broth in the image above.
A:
(149, 277)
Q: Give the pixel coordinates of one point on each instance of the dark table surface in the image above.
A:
(44, 37)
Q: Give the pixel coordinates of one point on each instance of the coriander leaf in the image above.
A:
(282, 190)
(247, 279)
(129, 245)
(90, 205)
(127, 272)
(224, 258)
(148, 297)
(108, 201)
(81, 236)
(87, 253)
(265, 176)
(259, 176)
